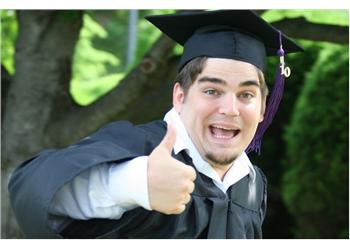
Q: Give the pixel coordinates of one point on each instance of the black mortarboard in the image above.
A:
(232, 34)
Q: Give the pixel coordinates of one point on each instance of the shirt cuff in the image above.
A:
(128, 183)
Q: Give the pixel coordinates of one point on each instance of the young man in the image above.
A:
(187, 176)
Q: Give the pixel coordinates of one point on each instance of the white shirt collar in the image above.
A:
(239, 169)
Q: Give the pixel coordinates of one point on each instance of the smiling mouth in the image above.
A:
(221, 132)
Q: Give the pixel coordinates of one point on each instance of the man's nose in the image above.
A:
(229, 106)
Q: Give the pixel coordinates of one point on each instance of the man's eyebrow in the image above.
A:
(223, 82)
(212, 80)
(249, 83)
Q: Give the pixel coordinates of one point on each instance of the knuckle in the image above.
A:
(178, 201)
(187, 187)
(187, 199)
(184, 188)
(179, 209)
(194, 175)
(191, 187)
(191, 173)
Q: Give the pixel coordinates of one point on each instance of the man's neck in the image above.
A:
(221, 170)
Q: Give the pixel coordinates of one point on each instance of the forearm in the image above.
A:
(104, 191)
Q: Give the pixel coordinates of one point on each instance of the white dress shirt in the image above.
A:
(108, 190)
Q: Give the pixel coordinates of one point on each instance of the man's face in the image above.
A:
(221, 110)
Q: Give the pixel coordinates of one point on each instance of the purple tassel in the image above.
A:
(272, 104)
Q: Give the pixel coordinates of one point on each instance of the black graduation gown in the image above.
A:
(210, 213)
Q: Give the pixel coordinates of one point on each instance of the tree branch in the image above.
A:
(301, 28)
(5, 85)
(153, 72)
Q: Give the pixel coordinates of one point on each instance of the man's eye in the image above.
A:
(211, 92)
(246, 95)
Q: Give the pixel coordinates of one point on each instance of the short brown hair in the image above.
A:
(188, 74)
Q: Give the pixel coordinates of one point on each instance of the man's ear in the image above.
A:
(263, 109)
(178, 97)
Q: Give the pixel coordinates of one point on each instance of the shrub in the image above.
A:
(316, 180)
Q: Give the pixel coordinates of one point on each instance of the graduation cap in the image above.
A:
(233, 34)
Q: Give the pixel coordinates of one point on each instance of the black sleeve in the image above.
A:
(34, 183)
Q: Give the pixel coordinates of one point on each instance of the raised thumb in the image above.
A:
(169, 139)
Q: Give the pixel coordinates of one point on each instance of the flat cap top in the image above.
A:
(233, 34)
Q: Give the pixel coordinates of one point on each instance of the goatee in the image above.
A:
(224, 161)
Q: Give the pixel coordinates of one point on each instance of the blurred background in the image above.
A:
(66, 73)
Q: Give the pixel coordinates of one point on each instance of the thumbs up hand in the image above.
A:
(170, 182)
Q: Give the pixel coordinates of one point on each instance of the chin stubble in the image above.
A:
(220, 161)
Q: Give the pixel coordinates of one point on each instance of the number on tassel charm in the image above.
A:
(284, 70)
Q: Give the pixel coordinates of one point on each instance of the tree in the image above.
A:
(38, 104)
(39, 111)
(316, 180)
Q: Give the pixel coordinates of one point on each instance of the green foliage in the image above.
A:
(336, 17)
(315, 184)
(90, 76)
(100, 56)
(9, 29)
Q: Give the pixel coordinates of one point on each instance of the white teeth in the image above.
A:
(222, 137)
(221, 127)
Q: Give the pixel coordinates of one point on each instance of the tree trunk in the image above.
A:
(39, 110)
(43, 59)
